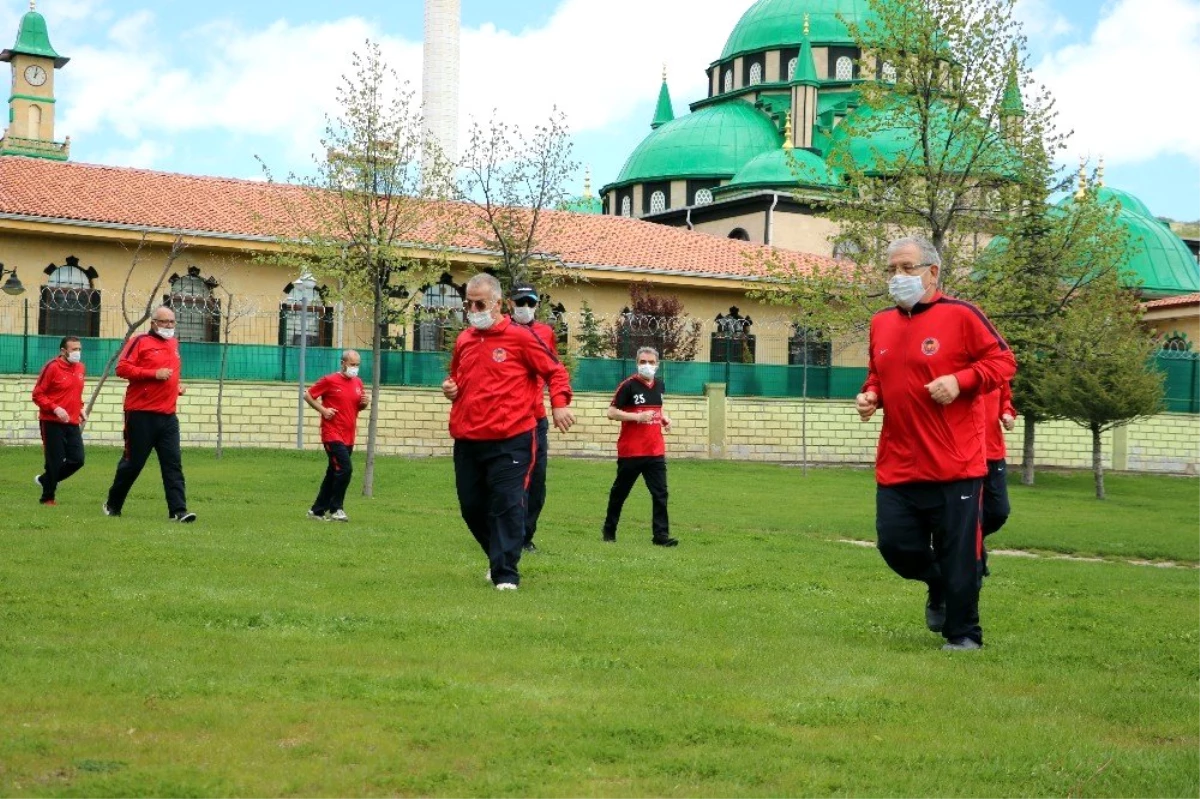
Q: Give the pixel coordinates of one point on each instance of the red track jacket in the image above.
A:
(60, 385)
(996, 404)
(143, 356)
(497, 374)
(922, 441)
(546, 334)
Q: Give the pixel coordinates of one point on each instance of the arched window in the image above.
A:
(888, 72)
(791, 69)
(740, 234)
(729, 80)
(658, 202)
(68, 305)
(844, 68)
(35, 122)
(704, 197)
(439, 317)
(197, 311)
(304, 309)
(845, 250)
(807, 346)
(626, 206)
(755, 74)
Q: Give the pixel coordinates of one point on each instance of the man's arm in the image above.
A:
(318, 406)
(992, 363)
(867, 401)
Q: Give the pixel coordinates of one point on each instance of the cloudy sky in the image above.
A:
(204, 87)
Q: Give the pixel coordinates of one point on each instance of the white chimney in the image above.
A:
(439, 79)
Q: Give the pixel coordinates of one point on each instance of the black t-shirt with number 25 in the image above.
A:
(640, 439)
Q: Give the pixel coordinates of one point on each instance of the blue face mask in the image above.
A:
(906, 290)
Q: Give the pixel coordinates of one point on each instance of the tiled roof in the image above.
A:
(138, 198)
(1173, 302)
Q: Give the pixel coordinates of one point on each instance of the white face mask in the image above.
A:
(523, 315)
(165, 332)
(647, 370)
(480, 320)
(351, 371)
(75, 357)
(906, 290)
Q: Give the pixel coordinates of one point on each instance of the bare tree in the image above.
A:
(232, 309)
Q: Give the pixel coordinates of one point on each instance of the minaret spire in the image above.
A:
(1081, 192)
(663, 111)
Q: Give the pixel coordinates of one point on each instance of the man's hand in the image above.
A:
(82, 416)
(644, 417)
(450, 389)
(182, 389)
(62, 415)
(943, 390)
(666, 423)
(1008, 422)
(162, 374)
(866, 404)
(563, 418)
(364, 403)
(328, 413)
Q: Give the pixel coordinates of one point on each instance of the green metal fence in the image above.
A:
(266, 363)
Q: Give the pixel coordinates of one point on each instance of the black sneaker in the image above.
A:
(109, 511)
(666, 542)
(610, 537)
(184, 517)
(935, 616)
(529, 547)
(962, 645)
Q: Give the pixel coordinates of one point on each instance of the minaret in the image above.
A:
(1100, 174)
(31, 102)
(587, 182)
(1081, 192)
(1012, 106)
(804, 95)
(663, 112)
(439, 76)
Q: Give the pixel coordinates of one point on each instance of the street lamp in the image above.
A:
(12, 286)
(305, 285)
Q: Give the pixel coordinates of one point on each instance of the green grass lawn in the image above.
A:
(257, 653)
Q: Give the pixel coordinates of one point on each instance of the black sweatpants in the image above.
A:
(63, 448)
(995, 497)
(332, 494)
(535, 498)
(930, 532)
(491, 477)
(145, 432)
(652, 469)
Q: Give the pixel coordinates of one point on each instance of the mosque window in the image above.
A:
(654, 197)
(846, 250)
(197, 311)
(792, 69)
(658, 202)
(626, 206)
(704, 197)
(755, 74)
(439, 316)
(844, 68)
(739, 234)
(728, 80)
(842, 63)
(303, 312)
(69, 306)
(888, 72)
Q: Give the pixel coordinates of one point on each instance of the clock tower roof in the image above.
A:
(33, 39)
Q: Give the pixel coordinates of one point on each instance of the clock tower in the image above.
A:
(30, 129)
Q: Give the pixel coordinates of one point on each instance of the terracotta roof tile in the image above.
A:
(1172, 302)
(139, 198)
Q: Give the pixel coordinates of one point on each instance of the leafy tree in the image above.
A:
(1099, 372)
(656, 321)
(591, 339)
(357, 219)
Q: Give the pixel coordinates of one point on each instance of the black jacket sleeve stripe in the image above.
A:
(982, 317)
(538, 339)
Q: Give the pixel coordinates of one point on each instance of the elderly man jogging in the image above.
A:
(932, 359)
(58, 395)
(493, 384)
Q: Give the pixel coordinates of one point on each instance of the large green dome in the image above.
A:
(772, 24)
(781, 168)
(715, 141)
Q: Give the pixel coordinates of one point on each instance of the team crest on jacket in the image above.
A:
(929, 346)
(499, 355)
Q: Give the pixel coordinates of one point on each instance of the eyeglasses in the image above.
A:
(909, 269)
(525, 302)
(479, 305)
(165, 322)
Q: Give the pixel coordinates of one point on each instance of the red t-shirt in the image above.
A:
(638, 439)
(344, 395)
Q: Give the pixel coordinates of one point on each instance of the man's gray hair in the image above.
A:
(488, 282)
(651, 350)
(929, 253)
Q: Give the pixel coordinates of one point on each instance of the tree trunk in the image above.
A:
(376, 376)
(1097, 461)
(1027, 452)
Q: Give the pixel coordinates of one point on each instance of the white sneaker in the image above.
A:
(506, 586)
(318, 516)
(488, 575)
(37, 480)
(339, 516)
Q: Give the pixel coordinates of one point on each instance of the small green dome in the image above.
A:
(1126, 200)
(33, 38)
(1159, 258)
(582, 205)
(772, 24)
(783, 168)
(714, 141)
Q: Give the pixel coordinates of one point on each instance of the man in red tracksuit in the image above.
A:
(932, 359)
(999, 415)
(338, 397)
(151, 364)
(524, 299)
(493, 385)
(58, 395)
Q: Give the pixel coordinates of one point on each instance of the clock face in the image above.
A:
(35, 75)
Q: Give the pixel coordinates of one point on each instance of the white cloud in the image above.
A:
(1040, 20)
(144, 155)
(1124, 92)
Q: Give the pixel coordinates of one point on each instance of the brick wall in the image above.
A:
(413, 422)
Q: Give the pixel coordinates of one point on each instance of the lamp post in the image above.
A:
(305, 284)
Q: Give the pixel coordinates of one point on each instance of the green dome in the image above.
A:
(33, 38)
(781, 168)
(1127, 201)
(1157, 257)
(712, 142)
(772, 24)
